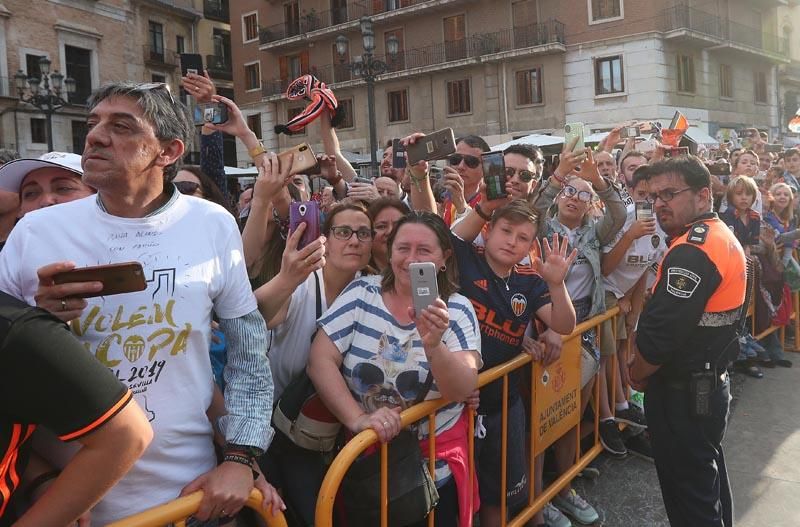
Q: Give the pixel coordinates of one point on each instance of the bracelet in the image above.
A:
(417, 179)
(479, 211)
(257, 150)
(40, 480)
(560, 179)
(238, 458)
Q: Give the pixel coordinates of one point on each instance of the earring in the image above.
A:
(443, 268)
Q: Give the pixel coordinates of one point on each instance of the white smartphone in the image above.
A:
(424, 287)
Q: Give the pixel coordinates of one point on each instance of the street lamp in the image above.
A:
(368, 68)
(45, 93)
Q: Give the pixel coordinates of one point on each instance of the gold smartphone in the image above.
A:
(303, 162)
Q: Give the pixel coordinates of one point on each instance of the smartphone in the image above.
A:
(424, 287)
(647, 146)
(365, 180)
(676, 151)
(191, 63)
(398, 154)
(629, 131)
(644, 210)
(571, 131)
(774, 149)
(494, 175)
(437, 145)
(127, 277)
(303, 162)
(719, 169)
(304, 212)
(213, 112)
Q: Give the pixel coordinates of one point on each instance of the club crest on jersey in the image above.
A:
(518, 304)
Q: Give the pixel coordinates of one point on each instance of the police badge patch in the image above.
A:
(681, 282)
(698, 233)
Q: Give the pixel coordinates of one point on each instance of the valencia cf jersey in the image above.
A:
(504, 307)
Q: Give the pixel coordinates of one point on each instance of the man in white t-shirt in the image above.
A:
(156, 341)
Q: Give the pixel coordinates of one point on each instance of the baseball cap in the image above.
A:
(13, 172)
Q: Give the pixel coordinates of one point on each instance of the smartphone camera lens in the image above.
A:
(301, 209)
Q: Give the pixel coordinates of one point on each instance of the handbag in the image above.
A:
(412, 491)
(300, 413)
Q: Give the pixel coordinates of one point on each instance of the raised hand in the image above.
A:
(432, 323)
(556, 263)
(298, 264)
(272, 178)
(201, 87)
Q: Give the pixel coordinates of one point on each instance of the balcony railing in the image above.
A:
(474, 46)
(219, 67)
(160, 56)
(314, 20)
(216, 10)
(718, 28)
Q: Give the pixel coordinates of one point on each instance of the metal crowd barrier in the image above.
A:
(176, 512)
(362, 441)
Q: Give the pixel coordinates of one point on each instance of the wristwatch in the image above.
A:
(257, 150)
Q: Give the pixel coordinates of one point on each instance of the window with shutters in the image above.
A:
(398, 106)
(726, 81)
(250, 27)
(292, 66)
(338, 12)
(529, 87)
(455, 37)
(525, 17)
(686, 78)
(605, 10)
(346, 109)
(252, 76)
(459, 98)
(291, 18)
(254, 124)
(397, 63)
(760, 87)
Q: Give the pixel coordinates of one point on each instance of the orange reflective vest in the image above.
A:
(714, 238)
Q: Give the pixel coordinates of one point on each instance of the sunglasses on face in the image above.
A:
(470, 161)
(570, 192)
(187, 187)
(345, 233)
(526, 176)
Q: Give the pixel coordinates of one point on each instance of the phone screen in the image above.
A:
(644, 210)
(494, 175)
(398, 154)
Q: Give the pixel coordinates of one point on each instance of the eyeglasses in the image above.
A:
(570, 192)
(526, 176)
(471, 161)
(187, 187)
(345, 233)
(665, 195)
(151, 86)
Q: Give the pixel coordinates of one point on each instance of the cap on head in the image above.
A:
(14, 172)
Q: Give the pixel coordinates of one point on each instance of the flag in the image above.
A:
(679, 122)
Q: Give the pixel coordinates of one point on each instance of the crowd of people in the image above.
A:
(173, 389)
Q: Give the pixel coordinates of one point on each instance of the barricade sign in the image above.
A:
(556, 395)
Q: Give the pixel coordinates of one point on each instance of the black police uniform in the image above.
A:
(688, 327)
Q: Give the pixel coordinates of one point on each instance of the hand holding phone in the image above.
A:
(213, 113)
(191, 63)
(127, 277)
(437, 145)
(302, 159)
(305, 212)
(494, 175)
(574, 132)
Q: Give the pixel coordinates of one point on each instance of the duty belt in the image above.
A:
(683, 384)
(718, 320)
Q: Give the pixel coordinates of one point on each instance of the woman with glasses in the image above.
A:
(565, 204)
(373, 355)
(311, 276)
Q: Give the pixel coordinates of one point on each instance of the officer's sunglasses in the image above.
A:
(470, 161)
(666, 195)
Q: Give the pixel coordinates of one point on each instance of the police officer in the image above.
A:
(686, 340)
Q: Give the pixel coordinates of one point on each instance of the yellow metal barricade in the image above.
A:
(176, 512)
(367, 438)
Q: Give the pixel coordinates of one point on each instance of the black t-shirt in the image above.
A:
(48, 379)
(504, 309)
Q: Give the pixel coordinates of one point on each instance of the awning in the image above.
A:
(698, 136)
(595, 137)
(539, 140)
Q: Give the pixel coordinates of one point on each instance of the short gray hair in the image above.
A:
(170, 117)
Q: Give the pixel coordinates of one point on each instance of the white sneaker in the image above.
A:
(576, 508)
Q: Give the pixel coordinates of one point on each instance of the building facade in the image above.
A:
(96, 42)
(504, 68)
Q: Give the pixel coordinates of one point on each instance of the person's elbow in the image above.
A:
(564, 325)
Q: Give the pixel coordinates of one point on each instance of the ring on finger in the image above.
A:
(63, 304)
(385, 424)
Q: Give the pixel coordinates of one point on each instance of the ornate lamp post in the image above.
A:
(367, 68)
(45, 93)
